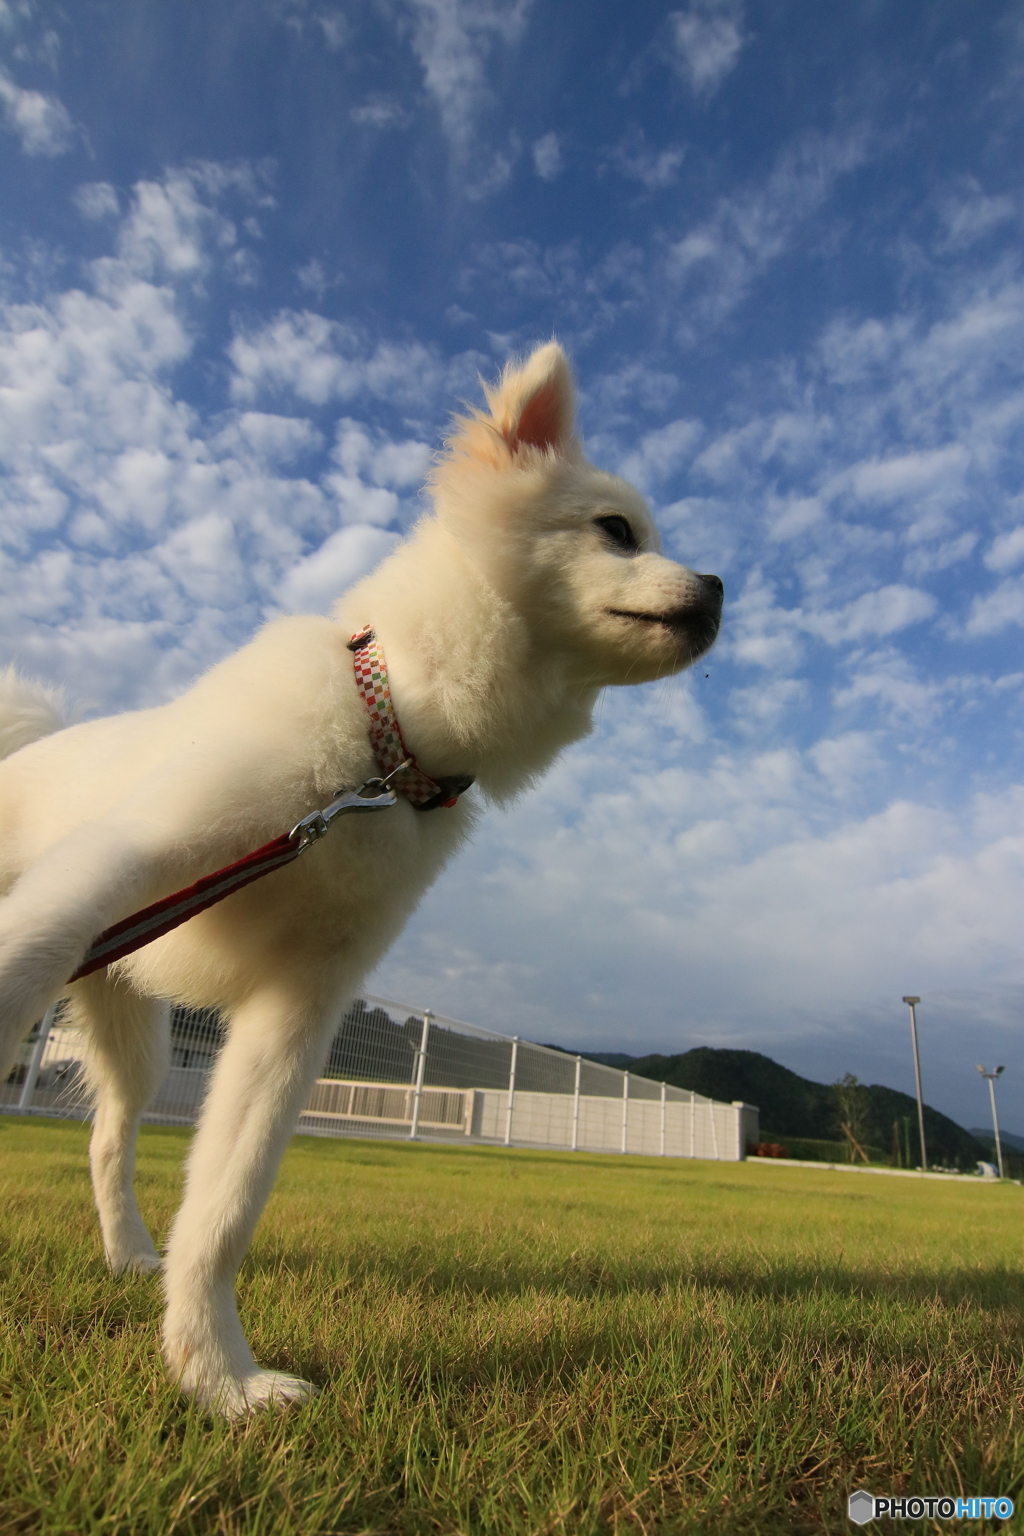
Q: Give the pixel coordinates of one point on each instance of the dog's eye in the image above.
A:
(617, 529)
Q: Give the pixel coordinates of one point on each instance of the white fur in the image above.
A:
(27, 711)
(496, 618)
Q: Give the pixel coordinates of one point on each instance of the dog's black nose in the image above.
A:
(715, 583)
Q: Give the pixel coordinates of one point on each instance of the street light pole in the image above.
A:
(912, 1003)
(991, 1078)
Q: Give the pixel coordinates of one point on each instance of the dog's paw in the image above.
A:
(144, 1264)
(260, 1390)
(144, 1261)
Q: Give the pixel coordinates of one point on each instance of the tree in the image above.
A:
(853, 1114)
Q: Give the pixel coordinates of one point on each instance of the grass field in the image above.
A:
(520, 1342)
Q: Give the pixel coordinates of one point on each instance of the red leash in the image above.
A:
(161, 916)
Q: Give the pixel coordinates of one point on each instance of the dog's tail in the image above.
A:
(28, 710)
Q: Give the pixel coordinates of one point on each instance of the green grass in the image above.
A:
(519, 1343)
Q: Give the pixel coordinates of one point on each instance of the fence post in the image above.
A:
(576, 1108)
(511, 1091)
(693, 1123)
(625, 1107)
(741, 1141)
(28, 1087)
(663, 1119)
(421, 1062)
(714, 1127)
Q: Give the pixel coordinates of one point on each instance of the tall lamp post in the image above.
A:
(991, 1078)
(912, 1003)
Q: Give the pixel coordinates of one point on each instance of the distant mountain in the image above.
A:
(792, 1105)
(1008, 1138)
(617, 1059)
(608, 1058)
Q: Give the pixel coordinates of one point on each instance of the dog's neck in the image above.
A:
(472, 689)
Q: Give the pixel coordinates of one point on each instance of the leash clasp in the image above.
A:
(374, 795)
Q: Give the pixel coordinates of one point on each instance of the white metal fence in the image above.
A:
(393, 1072)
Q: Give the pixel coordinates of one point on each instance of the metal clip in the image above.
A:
(383, 783)
(374, 795)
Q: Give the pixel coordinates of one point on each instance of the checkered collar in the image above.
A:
(393, 757)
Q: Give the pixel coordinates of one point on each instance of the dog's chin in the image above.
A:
(669, 641)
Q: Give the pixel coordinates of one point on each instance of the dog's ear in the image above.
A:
(535, 405)
(530, 407)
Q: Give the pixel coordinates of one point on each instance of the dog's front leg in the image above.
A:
(276, 1042)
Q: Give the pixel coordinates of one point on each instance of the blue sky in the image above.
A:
(251, 255)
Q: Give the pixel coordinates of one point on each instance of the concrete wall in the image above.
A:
(693, 1128)
(699, 1129)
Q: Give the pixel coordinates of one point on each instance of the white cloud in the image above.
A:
(986, 325)
(699, 531)
(996, 610)
(853, 353)
(452, 40)
(636, 384)
(717, 261)
(96, 200)
(910, 474)
(314, 276)
(884, 612)
(661, 452)
(654, 168)
(320, 360)
(335, 26)
(141, 539)
(759, 632)
(968, 214)
(591, 293)
(380, 112)
(897, 445)
(527, 267)
(314, 584)
(77, 372)
(924, 562)
(361, 503)
(707, 39)
(268, 439)
(41, 122)
(360, 451)
(548, 160)
(727, 455)
(847, 760)
(1007, 550)
(755, 707)
(331, 23)
(203, 557)
(892, 685)
(494, 173)
(762, 633)
(795, 515)
(171, 229)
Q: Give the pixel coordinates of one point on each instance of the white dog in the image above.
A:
(535, 582)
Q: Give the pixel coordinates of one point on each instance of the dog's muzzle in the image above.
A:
(698, 622)
(694, 624)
